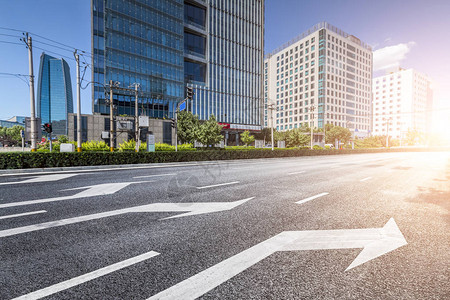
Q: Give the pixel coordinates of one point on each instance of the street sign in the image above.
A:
(144, 121)
(22, 133)
(150, 143)
(183, 106)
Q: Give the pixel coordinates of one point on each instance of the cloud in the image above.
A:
(391, 56)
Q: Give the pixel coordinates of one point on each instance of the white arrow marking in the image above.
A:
(214, 185)
(43, 178)
(365, 179)
(23, 214)
(311, 198)
(375, 242)
(91, 191)
(191, 209)
(86, 277)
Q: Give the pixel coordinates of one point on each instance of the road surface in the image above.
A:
(349, 226)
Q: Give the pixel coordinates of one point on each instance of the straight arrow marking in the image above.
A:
(311, 198)
(91, 191)
(365, 179)
(375, 242)
(42, 178)
(86, 277)
(190, 209)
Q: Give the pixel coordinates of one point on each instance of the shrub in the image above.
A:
(130, 146)
(94, 146)
(23, 160)
(317, 147)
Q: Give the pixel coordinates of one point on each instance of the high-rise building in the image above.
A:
(54, 96)
(402, 101)
(323, 76)
(214, 46)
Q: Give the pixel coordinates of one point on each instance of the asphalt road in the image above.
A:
(294, 228)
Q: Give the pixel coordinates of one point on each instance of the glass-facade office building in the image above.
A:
(54, 97)
(215, 46)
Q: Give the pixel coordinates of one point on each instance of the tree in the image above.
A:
(338, 133)
(11, 136)
(187, 127)
(414, 137)
(209, 132)
(63, 139)
(278, 136)
(265, 134)
(296, 138)
(246, 138)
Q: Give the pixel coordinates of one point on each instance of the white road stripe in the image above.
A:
(156, 175)
(43, 178)
(214, 185)
(299, 172)
(311, 198)
(53, 289)
(23, 214)
(365, 179)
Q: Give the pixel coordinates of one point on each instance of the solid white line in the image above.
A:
(156, 175)
(214, 185)
(367, 178)
(311, 198)
(299, 172)
(23, 214)
(53, 289)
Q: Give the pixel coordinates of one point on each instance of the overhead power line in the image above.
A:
(47, 39)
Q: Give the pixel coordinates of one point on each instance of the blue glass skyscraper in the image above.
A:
(216, 46)
(54, 97)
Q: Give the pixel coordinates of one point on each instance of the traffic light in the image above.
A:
(173, 123)
(189, 93)
(48, 127)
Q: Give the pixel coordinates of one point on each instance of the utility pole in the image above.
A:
(28, 42)
(387, 132)
(111, 116)
(312, 118)
(136, 114)
(176, 128)
(77, 58)
(271, 108)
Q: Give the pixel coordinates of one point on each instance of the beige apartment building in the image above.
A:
(323, 76)
(402, 101)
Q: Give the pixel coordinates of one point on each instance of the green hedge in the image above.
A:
(24, 160)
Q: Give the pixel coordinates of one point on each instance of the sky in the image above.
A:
(406, 33)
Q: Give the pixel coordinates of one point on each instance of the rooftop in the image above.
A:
(311, 30)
